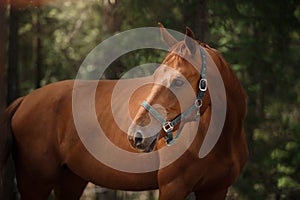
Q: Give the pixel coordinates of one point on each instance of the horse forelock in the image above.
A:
(181, 56)
(180, 49)
(178, 53)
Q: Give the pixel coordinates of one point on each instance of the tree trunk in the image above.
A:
(12, 73)
(3, 34)
(194, 15)
(111, 17)
(10, 191)
(37, 47)
(3, 38)
(201, 19)
(111, 23)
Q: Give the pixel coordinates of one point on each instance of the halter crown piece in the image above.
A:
(168, 126)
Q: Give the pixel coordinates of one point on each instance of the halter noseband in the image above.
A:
(168, 126)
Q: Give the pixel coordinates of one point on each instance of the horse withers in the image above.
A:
(175, 112)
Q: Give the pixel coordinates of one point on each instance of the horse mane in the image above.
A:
(233, 84)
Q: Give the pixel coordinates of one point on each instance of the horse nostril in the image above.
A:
(138, 138)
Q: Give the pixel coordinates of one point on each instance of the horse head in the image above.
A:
(175, 88)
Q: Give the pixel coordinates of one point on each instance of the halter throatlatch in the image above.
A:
(168, 126)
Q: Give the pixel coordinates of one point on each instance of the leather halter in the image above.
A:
(168, 126)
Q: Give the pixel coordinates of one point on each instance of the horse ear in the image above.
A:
(166, 36)
(190, 40)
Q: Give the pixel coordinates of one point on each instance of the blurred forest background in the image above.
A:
(45, 42)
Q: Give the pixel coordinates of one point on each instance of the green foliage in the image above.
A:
(69, 31)
(262, 49)
(259, 39)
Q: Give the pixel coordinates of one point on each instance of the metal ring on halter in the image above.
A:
(168, 126)
(198, 103)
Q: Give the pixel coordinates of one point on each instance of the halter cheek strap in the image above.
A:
(168, 126)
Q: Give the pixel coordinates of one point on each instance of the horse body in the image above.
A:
(48, 148)
(49, 154)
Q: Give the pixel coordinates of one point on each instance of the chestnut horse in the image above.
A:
(49, 153)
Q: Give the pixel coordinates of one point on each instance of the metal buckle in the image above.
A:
(203, 85)
(168, 126)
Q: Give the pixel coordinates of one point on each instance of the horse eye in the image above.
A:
(177, 83)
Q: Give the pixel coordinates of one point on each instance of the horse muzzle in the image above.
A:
(140, 142)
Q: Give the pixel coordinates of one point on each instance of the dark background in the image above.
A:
(45, 42)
